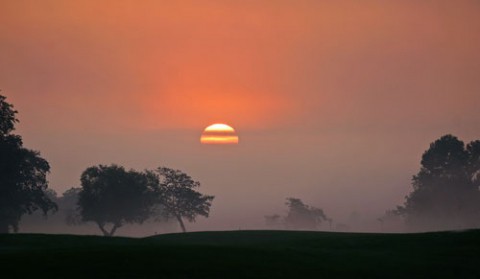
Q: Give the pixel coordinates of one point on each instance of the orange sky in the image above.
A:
(326, 86)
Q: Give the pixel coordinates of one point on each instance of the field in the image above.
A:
(243, 254)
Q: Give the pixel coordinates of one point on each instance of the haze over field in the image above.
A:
(334, 102)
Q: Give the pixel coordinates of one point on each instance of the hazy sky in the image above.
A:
(334, 101)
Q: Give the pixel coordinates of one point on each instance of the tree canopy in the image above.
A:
(446, 189)
(7, 117)
(178, 197)
(23, 172)
(115, 196)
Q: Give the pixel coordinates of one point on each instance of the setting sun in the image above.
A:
(219, 134)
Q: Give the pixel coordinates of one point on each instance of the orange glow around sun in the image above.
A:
(219, 134)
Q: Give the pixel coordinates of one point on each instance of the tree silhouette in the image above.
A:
(299, 216)
(178, 197)
(112, 195)
(302, 216)
(68, 204)
(446, 189)
(23, 182)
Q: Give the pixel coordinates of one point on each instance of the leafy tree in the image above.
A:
(446, 189)
(112, 195)
(7, 117)
(178, 196)
(23, 172)
(302, 216)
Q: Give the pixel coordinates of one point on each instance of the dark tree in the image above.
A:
(178, 196)
(23, 172)
(112, 195)
(302, 216)
(7, 117)
(446, 189)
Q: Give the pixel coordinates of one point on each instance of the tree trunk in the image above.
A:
(105, 233)
(108, 233)
(114, 229)
(182, 225)
(3, 227)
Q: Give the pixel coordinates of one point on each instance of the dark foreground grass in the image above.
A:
(243, 254)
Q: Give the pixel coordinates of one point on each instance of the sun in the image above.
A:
(219, 134)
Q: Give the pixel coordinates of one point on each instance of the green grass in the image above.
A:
(243, 254)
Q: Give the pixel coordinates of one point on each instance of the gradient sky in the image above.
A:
(334, 101)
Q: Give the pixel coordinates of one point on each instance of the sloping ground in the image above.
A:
(243, 254)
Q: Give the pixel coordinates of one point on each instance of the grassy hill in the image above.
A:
(243, 254)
